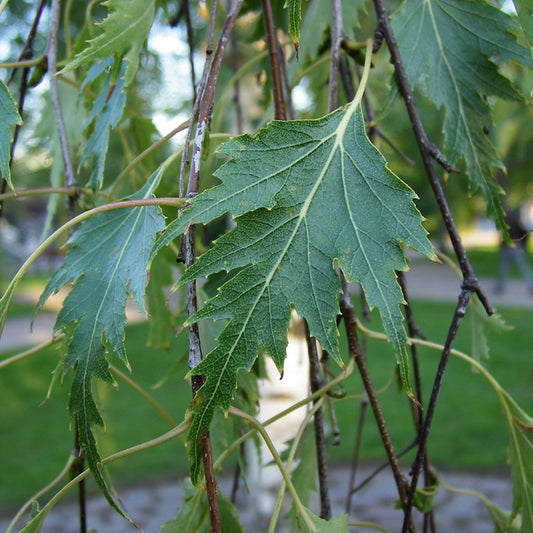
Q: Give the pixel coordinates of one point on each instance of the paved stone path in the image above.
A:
(151, 505)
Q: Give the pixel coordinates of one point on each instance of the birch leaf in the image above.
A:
(107, 263)
(449, 49)
(310, 196)
(295, 17)
(124, 32)
(8, 117)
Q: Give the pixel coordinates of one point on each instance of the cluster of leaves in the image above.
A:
(313, 200)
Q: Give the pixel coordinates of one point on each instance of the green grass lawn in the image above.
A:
(485, 262)
(469, 429)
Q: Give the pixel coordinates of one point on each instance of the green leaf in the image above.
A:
(449, 48)
(481, 324)
(107, 263)
(502, 519)
(317, 195)
(317, 23)
(521, 458)
(295, 16)
(106, 112)
(524, 9)
(337, 524)
(193, 516)
(124, 32)
(161, 320)
(9, 116)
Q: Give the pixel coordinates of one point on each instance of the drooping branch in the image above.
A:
(335, 51)
(349, 318)
(51, 54)
(320, 439)
(203, 107)
(26, 54)
(274, 59)
(428, 152)
(459, 313)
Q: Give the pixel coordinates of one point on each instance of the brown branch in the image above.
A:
(202, 108)
(27, 53)
(416, 407)
(427, 152)
(320, 440)
(274, 60)
(460, 310)
(335, 49)
(348, 315)
(51, 55)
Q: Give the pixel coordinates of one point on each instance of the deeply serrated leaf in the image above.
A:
(524, 9)
(9, 116)
(317, 194)
(106, 112)
(107, 263)
(124, 32)
(448, 48)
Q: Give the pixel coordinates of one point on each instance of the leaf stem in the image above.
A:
(141, 392)
(30, 352)
(144, 154)
(292, 453)
(279, 463)
(69, 191)
(41, 492)
(165, 437)
(332, 384)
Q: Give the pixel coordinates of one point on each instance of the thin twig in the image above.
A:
(348, 315)
(336, 39)
(27, 53)
(51, 54)
(382, 467)
(460, 310)
(355, 459)
(274, 59)
(416, 407)
(204, 105)
(68, 191)
(320, 439)
(427, 152)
